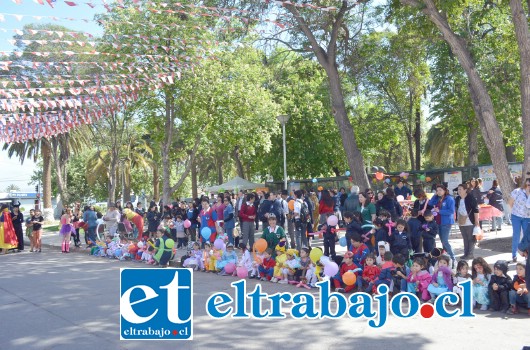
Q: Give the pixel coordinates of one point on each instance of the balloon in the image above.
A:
(187, 223)
(347, 173)
(349, 278)
(350, 179)
(169, 243)
(324, 260)
(320, 188)
(314, 180)
(332, 220)
(261, 245)
(434, 213)
(400, 198)
(342, 242)
(140, 245)
(379, 176)
(206, 232)
(241, 271)
(387, 181)
(218, 244)
(230, 267)
(331, 269)
(374, 181)
(422, 177)
(315, 254)
(428, 179)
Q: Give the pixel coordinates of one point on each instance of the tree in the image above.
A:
(12, 187)
(481, 99)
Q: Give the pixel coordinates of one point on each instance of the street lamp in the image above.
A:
(283, 119)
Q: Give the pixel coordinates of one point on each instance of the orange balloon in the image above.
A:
(428, 179)
(349, 278)
(379, 176)
(320, 188)
(260, 245)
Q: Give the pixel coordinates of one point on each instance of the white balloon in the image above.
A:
(400, 198)
(325, 260)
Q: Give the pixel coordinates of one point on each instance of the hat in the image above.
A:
(348, 255)
(292, 251)
(381, 244)
(501, 265)
(229, 245)
(281, 248)
(272, 216)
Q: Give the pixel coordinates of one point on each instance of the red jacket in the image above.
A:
(345, 268)
(370, 273)
(268, 263)
(246, 211)
(324, 209)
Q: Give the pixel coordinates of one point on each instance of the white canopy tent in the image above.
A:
(237, 184)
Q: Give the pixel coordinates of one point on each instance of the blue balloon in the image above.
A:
(314, 180)
(342, 242)
(387, 181)
(348, 173)
(206, 232)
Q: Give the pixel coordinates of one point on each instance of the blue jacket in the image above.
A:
(228, 214)
(400, 243)
(447, 210)
(90, 218)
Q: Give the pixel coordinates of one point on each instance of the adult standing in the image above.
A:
(495, 200)
(300, 223)
(153, 220)
(139, 209)
(247, 214)
(229, 219)
(326, 206)
(206, 219)
(476, 190)
(17, 218)
(520, 214)
(402, 190)
(264, 209)
(76, 222)
(314, 199)
(421, 204)
(468, 218)
(342, 198)
(444, 205)
(389, 203)
(90, 217)
(367, 209)
(192, 214)
(112, 218)
(351, 204)
(8, 237)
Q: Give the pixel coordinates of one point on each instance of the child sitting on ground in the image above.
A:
(229, 256)
(481, 278)
(280, 259)
(370, 273)
(290, 266)
(360, 251)
(305, 267)
(499, 286)
(399, 275)
(246, 258)
(419, 279)
(382, 248)
(194, 259)
(347, 265)
(400, 240)
(462, 275)
(441, 278)
(518, 294)
(256, 262)
(385, 277)
(266, 268)
(381, 231)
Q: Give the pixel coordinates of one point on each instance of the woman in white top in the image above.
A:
(520, 204)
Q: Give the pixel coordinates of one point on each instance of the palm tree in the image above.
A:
(12, 187)
(441, 149)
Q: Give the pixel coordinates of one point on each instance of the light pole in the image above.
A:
(283, 119)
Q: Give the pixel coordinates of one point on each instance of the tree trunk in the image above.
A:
(523, 42)
(219, 170)
(60, 161)
(481, 100)
(353, 153)
(194, 189)
(156, 182)
(417, 136)
(113, 166)
(126, 182)
(411, 149)
(46, 154)
(472, 145)
(239, 165)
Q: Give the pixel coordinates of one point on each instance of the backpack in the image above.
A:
(305, 215)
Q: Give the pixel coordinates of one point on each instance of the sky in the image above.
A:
(12, 171)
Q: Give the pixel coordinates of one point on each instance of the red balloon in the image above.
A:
(379, 176)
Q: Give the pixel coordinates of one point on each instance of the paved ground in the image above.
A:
(57, 301)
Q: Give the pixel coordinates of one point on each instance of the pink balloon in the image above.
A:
(333, 220)
(242, 272)
(218, 244)
(187, 223)
(230, 268)
(331, 269)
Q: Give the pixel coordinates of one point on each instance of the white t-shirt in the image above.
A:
(463, 211)
(297, 207)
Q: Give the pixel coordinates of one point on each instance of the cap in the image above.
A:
(381, 244)
(501, 265)
(272, 216)
(348, 255)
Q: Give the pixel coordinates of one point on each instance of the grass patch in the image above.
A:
(51, 228)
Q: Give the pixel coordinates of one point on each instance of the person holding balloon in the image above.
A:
(229, 260)
(136, 219)
(346, 275)
(163, 247)
(330, 236)
(207, 222)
